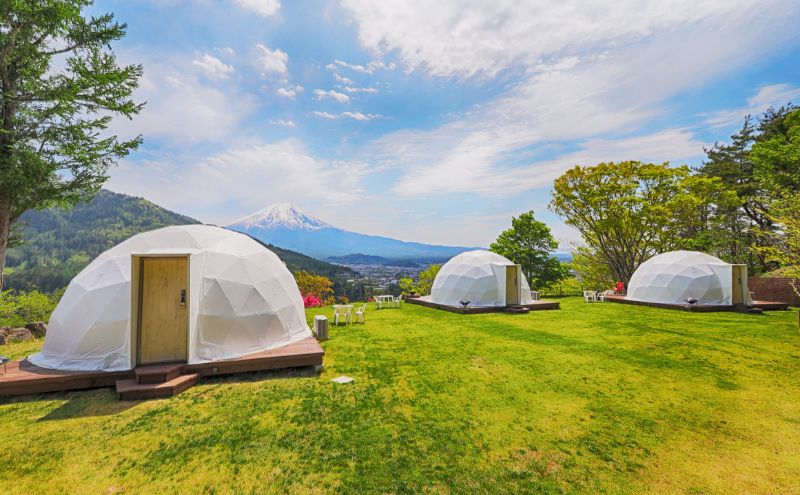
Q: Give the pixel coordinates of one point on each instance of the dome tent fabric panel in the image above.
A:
(674, 277)
(476, 276)
(242, 299)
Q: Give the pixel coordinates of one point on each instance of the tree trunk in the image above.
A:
(5, 232)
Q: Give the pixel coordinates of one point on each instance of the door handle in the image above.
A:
(183, 297)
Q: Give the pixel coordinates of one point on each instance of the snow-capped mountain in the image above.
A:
(281, 215)
(286, 226)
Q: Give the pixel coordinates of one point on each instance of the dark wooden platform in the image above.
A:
(132, 389)
(705, 308)
(470, 310)
(24, 377)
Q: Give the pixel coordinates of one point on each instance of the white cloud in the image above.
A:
(615, 91)
(324, 115)
(226, 50)
(350, 89)
(270, 61)
(290, 92)
(342, 79)
(773, 95)
(360, 116)
(264, 8)
(240, 180)
(283, 123)
(483, 178)
(213, 67)
(322, 94)
(181, 108)
(456, 38)
(370, 68)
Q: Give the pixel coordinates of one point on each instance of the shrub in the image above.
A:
(318, 285)
(20, 308)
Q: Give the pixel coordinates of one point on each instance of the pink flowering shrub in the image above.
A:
(311, 301)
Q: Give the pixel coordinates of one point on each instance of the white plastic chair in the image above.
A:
(589, 296)
(536, 295)
(398, 301)
(341, 312)
(360, 313)
(602, 296)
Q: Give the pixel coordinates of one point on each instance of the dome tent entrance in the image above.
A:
(191, 293)
(677, 276)
(483, 278)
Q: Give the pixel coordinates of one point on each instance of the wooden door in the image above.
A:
(512, 285)
(163, 310)
(738, 287)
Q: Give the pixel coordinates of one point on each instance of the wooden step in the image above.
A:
(517, 310)
(132, 390)
(159, 373)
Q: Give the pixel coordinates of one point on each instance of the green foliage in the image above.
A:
(594, 398)
(529, 244)
(784, 246)
(60, 86)
(629, 211)
(426, 278)
(424, 281)
(777, 159)
(407, 285)
(569, 286)
(319, 286)
(756, 164)
(20, 308)
(591, 270)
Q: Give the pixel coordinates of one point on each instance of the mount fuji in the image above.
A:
(284, 225)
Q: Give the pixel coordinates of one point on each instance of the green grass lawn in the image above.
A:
(592, 398)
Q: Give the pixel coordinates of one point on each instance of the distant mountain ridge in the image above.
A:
(285, 225)
(56, 244)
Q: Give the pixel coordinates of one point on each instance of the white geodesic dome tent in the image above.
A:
(241, 299)
(478, 277)
(674, 277)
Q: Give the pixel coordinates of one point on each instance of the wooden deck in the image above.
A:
(24, 378)
(470, 310)
(705, 308)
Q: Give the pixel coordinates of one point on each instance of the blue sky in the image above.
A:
(433, 121)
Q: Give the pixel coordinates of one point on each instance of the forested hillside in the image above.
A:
(55, 244)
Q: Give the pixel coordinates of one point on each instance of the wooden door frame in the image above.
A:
(744, 293)
(137, 268)
(519, 284)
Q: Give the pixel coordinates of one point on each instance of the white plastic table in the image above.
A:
(383, 299)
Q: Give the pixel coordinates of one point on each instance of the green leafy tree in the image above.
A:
(60, 86)
(629, 211)
(591, 270)
(748, 224)
(530, 244)
(424, 281)
(777, 164)
(20, 308)
(777, 159)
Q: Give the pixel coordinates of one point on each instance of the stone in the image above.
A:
(37, 328)
(19, 335)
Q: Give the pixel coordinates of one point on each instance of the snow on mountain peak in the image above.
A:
(285, 215)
